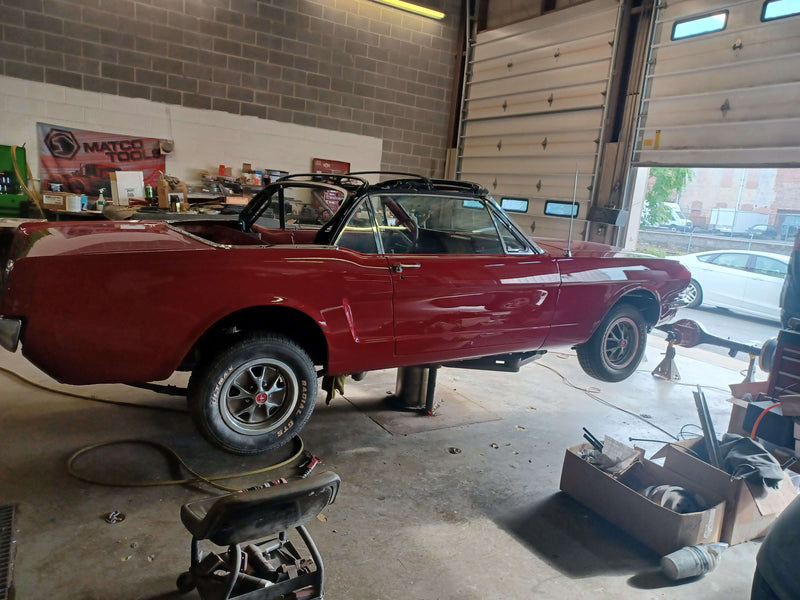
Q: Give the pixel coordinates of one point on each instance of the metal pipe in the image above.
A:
(430, 390)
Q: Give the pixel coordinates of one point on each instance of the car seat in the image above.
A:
(260, 562)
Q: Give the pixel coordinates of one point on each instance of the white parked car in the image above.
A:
(744, 281)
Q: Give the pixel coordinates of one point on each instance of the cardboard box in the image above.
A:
(168, 195)
(749, 512)
(126, 185)
(790, 405)
(738, 412)
(754, 388)
(616, 499)
(55, 200)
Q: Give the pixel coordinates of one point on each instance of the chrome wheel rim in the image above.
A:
(690, 294)
(259, 396)
(621, 343)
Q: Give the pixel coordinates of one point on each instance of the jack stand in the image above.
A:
(667, 369)
(416, 388)
(751, 369)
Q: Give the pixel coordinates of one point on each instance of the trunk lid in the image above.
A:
(36, 239)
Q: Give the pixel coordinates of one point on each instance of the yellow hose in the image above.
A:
(210, 480)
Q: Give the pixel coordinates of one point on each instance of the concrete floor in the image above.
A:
(412, 520)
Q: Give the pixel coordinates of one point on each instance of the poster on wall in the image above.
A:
(81, 161)
(331, 199)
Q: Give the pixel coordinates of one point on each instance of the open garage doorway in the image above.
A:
(686, 209)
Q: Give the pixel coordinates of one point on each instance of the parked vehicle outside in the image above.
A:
(677, 221)
(762, 232)
(730, 221)
(747, 282)
(407, 272)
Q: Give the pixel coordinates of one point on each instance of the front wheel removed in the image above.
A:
(254, 396)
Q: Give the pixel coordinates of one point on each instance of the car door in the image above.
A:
(724, 279)
(465, 281)
(766, 275)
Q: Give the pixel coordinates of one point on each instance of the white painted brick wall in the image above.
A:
(204, 139)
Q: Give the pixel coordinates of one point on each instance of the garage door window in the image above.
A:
(700, 25)
(778, 9)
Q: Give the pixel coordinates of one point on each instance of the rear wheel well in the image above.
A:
(292, 323)
(646, 302)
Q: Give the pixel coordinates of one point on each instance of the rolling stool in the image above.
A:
(260, 563)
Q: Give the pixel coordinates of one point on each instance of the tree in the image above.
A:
(665, 185)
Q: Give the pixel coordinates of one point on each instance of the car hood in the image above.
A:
(36, 239)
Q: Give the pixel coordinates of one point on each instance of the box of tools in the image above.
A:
(621, 497)
(750, 508)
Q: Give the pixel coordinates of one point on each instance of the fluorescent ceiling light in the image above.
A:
(413, 8)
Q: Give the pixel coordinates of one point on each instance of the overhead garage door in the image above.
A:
(535, 106)
(722, 87)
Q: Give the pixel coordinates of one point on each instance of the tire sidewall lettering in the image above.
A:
(217, 391)
(209, 400)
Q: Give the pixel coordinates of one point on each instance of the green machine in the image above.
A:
(13, 200)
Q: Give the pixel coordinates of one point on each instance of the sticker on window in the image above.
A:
(778, 9)
(699, 25)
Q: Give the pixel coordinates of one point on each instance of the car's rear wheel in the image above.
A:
(693, 294)
(616, 348)
(254, 396)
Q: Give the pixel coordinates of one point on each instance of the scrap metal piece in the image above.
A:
(115, 517)
(589, 437)
(710, 437)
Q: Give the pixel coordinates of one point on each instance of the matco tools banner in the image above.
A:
(81, 161)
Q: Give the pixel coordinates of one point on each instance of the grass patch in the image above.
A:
(659, 252)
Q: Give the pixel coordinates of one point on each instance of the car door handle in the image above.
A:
(398, 267)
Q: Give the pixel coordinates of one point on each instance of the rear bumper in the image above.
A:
(9, 333)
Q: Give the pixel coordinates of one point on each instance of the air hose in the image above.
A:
(196, 477)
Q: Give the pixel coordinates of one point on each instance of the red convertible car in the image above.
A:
(410, 271)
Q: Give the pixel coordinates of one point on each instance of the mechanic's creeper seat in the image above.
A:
(260, 561)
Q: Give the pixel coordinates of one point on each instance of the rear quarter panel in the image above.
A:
(131, 317)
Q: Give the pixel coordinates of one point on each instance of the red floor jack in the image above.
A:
(260, 562)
